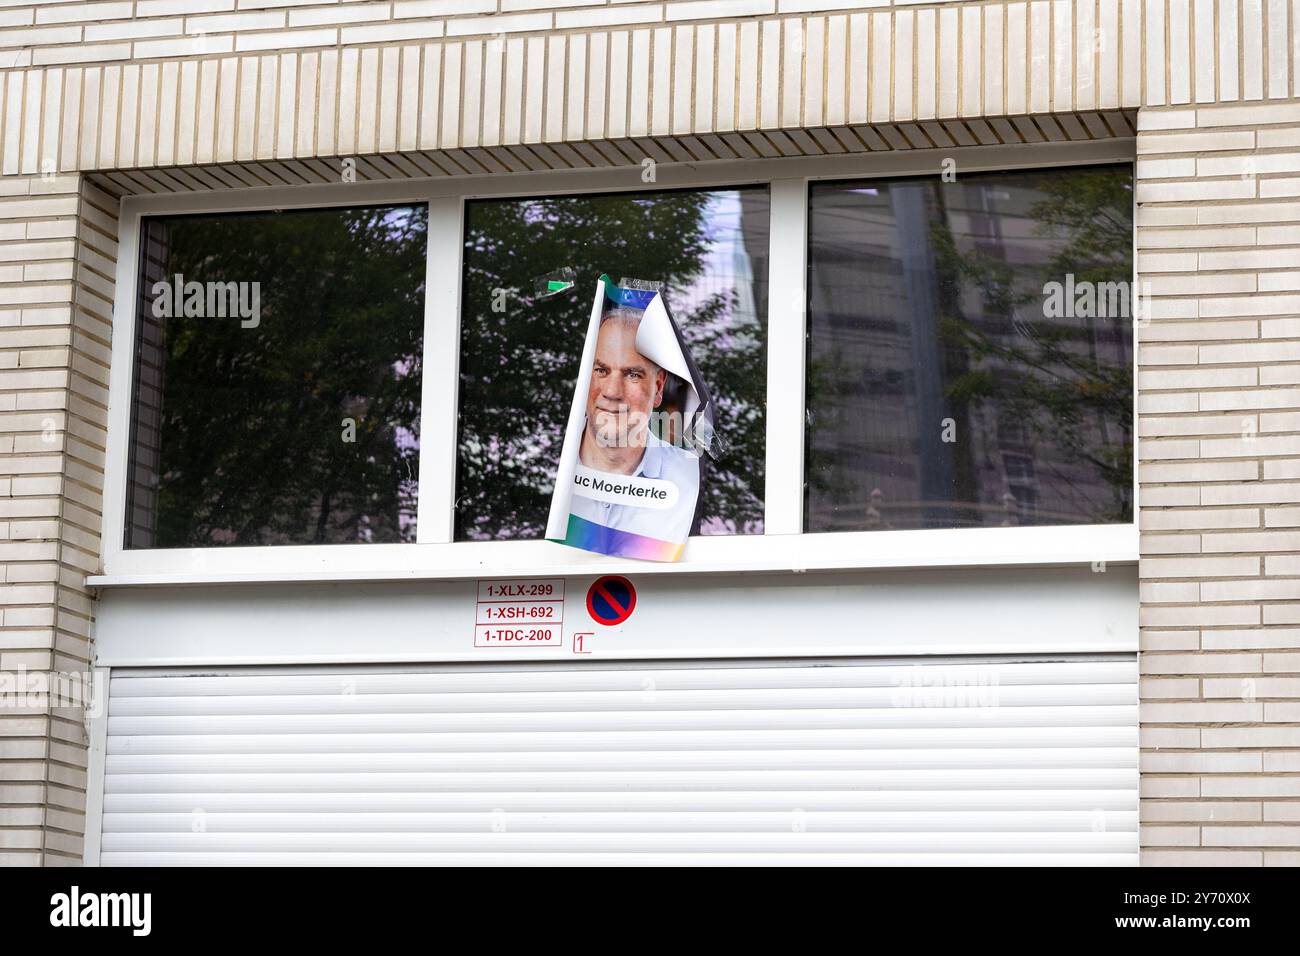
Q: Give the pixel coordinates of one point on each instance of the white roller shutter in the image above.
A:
(805, 762)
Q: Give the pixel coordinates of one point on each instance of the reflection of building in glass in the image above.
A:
(737, 234)
(734, 271)
(939, 394)
(146, 421)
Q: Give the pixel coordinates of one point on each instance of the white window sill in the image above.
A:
(962, 548)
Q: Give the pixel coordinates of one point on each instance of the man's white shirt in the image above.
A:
(662, 461)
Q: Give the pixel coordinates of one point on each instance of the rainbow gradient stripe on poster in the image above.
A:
(590, 536)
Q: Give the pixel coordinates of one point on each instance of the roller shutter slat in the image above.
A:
(1119, 715)
(779, 821)
(577, 842)
(561, 762)
(539, 679)
(614, 779)
(758, 739)
(779, 698)
(695, 800)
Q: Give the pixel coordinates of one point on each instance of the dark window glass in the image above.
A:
(277, 378)
(519, 353)
(970, 351)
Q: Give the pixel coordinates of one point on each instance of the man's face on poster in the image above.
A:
(625, 387)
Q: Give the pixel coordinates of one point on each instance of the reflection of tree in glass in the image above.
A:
(253, 418)
(519, 360)
(1069, 380)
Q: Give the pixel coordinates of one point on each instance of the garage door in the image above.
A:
(978, 762)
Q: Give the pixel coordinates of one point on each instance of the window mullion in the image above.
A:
(437, 496)
(786, 355)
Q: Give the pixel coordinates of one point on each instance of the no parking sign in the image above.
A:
(611, 600)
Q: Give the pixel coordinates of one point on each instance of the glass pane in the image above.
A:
(520, 350)
(277, 378)
(970, 353)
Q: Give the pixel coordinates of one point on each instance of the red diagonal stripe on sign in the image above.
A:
(613, 602)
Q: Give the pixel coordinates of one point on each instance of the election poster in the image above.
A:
(628, 481)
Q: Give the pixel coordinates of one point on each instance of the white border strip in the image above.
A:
(939, 548)
(97, 730)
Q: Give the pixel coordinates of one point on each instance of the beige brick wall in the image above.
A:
(57, 248)
(261, 96)
(38, 34)
(1219, 419)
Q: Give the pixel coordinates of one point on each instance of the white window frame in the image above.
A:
(434, 555)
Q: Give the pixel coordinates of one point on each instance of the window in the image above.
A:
(519, 350)
(941, 356)
(277, 378)
(970, 351)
